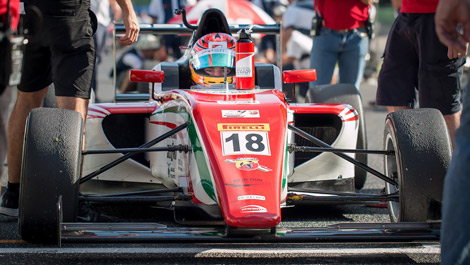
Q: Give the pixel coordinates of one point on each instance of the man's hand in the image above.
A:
(130, 21)
(449, 15)
(454, 53)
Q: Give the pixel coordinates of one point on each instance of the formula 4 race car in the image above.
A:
(227, 158)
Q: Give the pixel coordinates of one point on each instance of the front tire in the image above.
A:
(50, 170)
(422, 154)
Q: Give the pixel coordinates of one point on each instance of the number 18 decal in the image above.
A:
(245, 142)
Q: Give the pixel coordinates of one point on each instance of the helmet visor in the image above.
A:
(217, 57)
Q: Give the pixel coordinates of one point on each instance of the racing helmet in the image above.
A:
(213, 50)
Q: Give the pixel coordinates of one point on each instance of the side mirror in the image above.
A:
(146, 76)
(299, 76)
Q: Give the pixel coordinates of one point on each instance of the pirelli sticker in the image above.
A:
(244, 138)
(243, 127)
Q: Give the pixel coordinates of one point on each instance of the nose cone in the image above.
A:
(255, 220)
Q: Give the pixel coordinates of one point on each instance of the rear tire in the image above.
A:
(345, 94)
(422, 154)
(51, 169)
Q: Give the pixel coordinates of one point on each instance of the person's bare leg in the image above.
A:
(72, 103)
(25, 102)
(77, 104)
(453, 123)
(395, 108)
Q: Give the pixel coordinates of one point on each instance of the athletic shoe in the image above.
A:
(9, 204)
(88, 213)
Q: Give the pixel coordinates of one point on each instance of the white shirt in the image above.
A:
(298, 46)
(134, 61)
(298, 17)
(102, 10)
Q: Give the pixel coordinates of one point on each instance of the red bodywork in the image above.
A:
(248, 184)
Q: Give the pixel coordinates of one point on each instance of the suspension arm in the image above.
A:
(346, 157)
(130, 154)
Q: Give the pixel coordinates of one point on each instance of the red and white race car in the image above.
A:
(233, 158)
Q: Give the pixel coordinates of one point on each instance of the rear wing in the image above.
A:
(179, 29)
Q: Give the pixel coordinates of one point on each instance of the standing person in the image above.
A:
(8, 24)
(106, 11)
(9, 18)
(269, 5)
(5, 99)
(455, 235)
(163, 10)
(65, 55)
(297, 17)
(296, 41)
(267, 46)
(147, 49)
(415, 59)
(341, 37)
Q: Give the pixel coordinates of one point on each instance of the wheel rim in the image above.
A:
(391, 170)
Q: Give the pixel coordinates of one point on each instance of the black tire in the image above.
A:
(422, 154)
(347, 94)
(51, 168)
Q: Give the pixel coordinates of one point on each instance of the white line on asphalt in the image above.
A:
(202, 252)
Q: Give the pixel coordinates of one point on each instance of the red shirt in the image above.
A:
(419, 6)
(342, 14)
(14, 11)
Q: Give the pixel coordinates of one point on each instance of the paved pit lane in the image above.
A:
(339, 253)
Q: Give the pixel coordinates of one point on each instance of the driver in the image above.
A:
(210, 56)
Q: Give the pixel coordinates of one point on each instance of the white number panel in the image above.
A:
(245, 142)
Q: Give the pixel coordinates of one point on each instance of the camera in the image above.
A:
(370, 28)
(317, 24)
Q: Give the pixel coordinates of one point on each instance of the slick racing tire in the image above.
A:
(422, 149)
(50, 171)
(345, 94)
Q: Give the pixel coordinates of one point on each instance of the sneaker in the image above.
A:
(9, 204)
(88, 213)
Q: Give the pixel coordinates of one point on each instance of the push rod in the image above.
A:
(345, 157)
(179, 148)
(313, 149)
(130, 154)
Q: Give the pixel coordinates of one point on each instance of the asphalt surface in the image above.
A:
(15, 251)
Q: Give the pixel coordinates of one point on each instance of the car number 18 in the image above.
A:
(241, 142)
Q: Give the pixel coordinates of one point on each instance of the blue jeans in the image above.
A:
(348, 49)
(455, 231)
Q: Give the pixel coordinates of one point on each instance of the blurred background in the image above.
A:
(105, 84)
(106, 87)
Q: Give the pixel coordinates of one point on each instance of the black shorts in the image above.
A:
(416, 61)
(63, 52)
